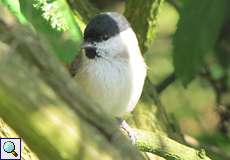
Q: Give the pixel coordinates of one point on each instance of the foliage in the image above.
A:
(196, 35)
(14, 7)
(54, 21)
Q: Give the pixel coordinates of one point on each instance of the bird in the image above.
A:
(111, 69)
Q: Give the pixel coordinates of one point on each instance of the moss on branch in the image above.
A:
(165, 147)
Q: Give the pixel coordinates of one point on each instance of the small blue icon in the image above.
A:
(10, 148)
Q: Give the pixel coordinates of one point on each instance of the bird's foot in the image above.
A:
(131, 133)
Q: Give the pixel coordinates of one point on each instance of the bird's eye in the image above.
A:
(91, 52)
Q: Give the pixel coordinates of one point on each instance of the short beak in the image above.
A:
(85, 45)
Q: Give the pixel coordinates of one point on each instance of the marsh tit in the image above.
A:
(111, 69)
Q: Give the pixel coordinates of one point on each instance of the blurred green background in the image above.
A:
(193, 106)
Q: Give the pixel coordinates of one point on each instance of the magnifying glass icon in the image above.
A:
(9, 147)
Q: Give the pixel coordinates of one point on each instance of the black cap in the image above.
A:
(105, 25)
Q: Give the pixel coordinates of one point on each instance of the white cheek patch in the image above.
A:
(124, 45)
(129, 39)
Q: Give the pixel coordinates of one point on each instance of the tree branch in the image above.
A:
(191, 141)
(165, 147)
(166, 82)
(83, 8)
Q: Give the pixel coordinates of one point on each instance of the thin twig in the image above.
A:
(166, 82)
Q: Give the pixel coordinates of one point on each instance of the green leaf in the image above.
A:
(196, 35)
(14, 8)
(54, 20)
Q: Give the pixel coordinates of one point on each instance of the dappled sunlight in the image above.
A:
(60, 125)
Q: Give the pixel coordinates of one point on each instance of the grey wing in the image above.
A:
(75, 65)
